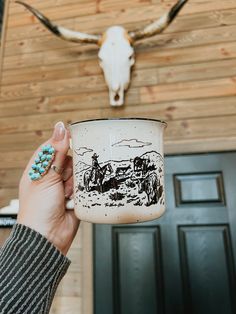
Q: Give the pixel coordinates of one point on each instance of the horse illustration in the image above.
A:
(96, 176)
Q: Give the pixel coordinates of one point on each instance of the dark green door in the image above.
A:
(185, 261)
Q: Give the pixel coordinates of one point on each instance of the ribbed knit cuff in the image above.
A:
(30, 270)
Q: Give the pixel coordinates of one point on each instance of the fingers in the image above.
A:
(68, 168)
(67, 177)
(68, 186)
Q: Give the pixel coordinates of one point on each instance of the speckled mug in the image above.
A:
(118, 168)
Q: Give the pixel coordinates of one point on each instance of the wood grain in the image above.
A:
(200, 145)
(167, 40)
(3, 37)
(10, 178)
(4, 234)
(146, 76)
(189, 90)
(76, 9)
(65, 304)
(21, 68)
(15, 159)
(7, 194)
(170, 110)
(132, 18)
(23, 141)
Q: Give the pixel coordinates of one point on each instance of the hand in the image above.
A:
(42, 202)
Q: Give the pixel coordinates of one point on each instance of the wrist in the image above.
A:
(47, 234)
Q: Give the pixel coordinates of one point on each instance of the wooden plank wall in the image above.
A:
(186, 76)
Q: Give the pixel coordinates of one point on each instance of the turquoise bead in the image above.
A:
(45, 149)
(32, 177)
(43, 157)
(49, 157)
(37, 160)
(31, 173)
(35, 176)
(40, 154)
(34, 167)
(38, 166)
(45, 164)
(41, 170)
(51, 150)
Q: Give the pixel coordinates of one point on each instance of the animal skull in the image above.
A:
(116, 53)
(116, 57)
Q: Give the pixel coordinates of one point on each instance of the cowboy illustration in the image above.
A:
(95, 168)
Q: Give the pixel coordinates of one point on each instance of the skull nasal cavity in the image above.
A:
(117, 97)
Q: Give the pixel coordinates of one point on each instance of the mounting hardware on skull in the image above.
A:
(116, 53)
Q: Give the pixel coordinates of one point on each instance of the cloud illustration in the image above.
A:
(83, 150)
(132, 143)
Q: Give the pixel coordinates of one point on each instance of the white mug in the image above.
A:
(118, 170)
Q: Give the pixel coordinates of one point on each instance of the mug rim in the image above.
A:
(118, 119)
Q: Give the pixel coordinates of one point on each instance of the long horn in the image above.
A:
(60, 31)
(159, 25)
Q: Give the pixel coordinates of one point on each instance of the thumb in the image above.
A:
(60, 141)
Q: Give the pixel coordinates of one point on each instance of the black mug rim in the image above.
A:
(118, 119)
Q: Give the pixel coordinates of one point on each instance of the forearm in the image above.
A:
(30, 271)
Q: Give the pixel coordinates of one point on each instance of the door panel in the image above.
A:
(207, 269)
(137, 276)
(183, 262)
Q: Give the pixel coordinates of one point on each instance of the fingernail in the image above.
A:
(59, 131)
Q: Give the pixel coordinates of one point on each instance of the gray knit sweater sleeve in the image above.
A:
(30, 271)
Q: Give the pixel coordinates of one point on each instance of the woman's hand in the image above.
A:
(42, 202)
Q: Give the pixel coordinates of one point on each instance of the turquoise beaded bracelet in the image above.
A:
(42, 162)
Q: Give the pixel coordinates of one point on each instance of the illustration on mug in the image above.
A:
(137, 180)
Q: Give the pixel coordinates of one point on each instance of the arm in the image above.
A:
(30, 270)
(32, 261)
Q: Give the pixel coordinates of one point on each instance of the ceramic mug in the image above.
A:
(118, 169)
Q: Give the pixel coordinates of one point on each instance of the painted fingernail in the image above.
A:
(59, 132)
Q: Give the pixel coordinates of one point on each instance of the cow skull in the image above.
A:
(116, 53)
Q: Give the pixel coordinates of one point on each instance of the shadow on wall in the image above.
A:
(1, 14)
